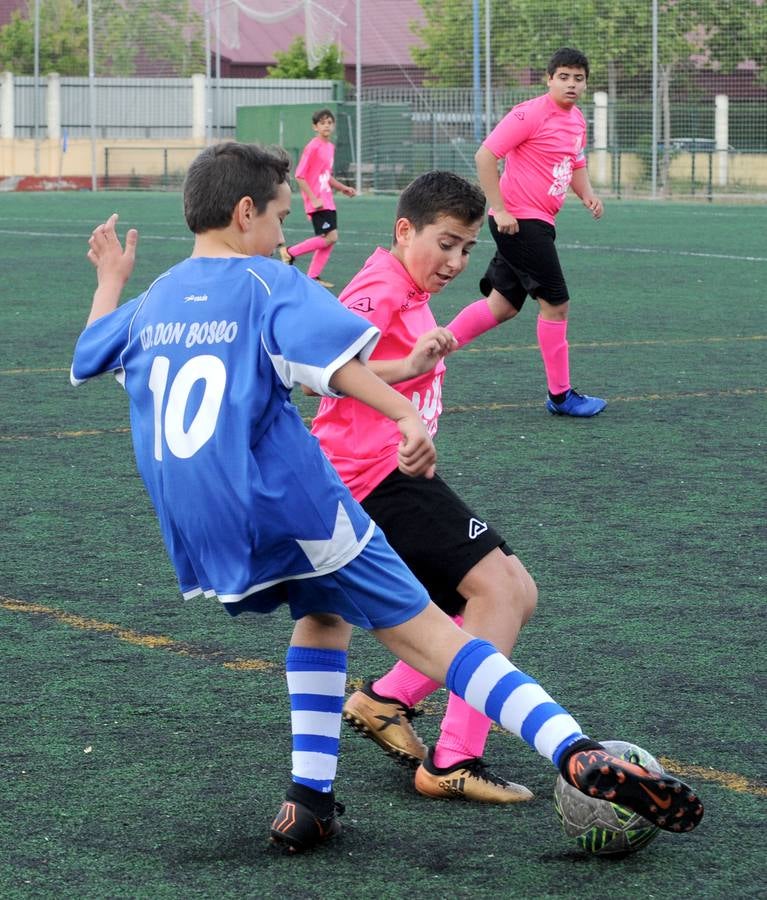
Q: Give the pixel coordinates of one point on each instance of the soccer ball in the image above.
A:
(598, 826)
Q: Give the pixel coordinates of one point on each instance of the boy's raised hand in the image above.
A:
(417, 454)
(113, 265)
(430, 347)
(106, 252)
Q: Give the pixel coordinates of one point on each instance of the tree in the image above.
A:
(616, 35)
(125, 33)
(63, 39)
(167, 36)
(293, 63)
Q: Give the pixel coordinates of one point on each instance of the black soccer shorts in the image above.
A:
(324, 221)
(434, 532)
(525, 263)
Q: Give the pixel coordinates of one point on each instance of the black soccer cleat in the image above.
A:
(296, 828)
(659, 797)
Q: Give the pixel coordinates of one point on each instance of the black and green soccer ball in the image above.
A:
(598, 826)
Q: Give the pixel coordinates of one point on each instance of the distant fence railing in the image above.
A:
(145, 131)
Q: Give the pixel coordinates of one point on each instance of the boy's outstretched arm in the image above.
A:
(427, 351)
(113, 265)
(346, 189)
(417, 455)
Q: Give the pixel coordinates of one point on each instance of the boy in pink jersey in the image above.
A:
(542, 144)
(314, 174)
(465, 565)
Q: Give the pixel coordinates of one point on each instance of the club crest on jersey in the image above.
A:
(476, 528)
(364, 304)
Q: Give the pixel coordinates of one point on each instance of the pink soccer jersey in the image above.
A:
(360, 442)
(316, 167)
(542, 144)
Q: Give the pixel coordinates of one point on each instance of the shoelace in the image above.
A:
(410, 712)
(478, 767)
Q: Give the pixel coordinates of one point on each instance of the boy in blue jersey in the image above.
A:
(252, 512)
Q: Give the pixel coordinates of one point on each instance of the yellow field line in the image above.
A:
(729, 780)
(148, 641)
(511, 348)
(647, 342)
(639, 398)
(475, 407)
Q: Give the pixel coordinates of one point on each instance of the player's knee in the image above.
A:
(331, 237)
(527, 596)
(500, 307)
(502, 591)
(553, 312)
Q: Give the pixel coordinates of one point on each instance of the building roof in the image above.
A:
(7, 7)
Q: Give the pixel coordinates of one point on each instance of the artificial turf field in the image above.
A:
(145, 741)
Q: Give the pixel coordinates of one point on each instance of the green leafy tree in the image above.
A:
(293, 63)
(130, 30)
(124, 33)
(614, 34)
(63, 39)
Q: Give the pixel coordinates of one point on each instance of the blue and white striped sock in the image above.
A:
(316, 682)
(486, 680)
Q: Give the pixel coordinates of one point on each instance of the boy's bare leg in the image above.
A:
(500, 307)
(324, 630)
(500, 598)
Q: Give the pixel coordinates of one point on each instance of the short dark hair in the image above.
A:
(569, 58)
(322, 114)
(440, 193)
(222, 174)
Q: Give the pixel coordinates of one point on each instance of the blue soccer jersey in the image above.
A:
(208, 356)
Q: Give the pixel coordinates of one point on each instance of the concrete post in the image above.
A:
(7, 113)
(600, 154)
(198, 108)
(722, 136)
(53, 107)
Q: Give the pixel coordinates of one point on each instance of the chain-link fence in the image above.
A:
(677, 101)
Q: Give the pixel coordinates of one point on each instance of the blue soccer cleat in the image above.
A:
(576, 404)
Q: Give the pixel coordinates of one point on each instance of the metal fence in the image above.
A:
(677, 101)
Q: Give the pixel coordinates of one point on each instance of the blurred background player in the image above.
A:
(542, 144)
(314, 175)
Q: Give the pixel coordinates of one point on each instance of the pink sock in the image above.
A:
(313, 243)
(472, 321)
(319, 259)
(406, 684)
(463, 734)
(552, 339)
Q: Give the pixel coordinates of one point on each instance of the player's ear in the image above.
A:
(244, 213)
(403, 230)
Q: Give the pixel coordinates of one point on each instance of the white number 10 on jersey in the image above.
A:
(181, 442)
